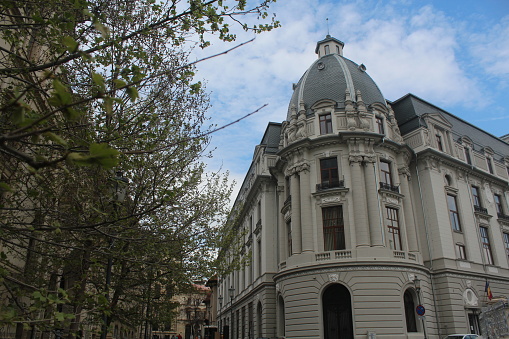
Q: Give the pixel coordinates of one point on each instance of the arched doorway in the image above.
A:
(408, 300)
(281, 317)
(337, 313)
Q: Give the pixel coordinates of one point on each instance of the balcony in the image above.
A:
(389, 187)
(503, 216)
(480, 209)
(325, 185)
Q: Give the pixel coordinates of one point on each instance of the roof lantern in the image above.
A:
(329, 45)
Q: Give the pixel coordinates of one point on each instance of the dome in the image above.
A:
(330, 76)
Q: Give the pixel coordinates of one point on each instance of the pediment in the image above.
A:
(323, 104)
(437, 119)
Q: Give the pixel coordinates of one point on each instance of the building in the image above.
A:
(356, 210)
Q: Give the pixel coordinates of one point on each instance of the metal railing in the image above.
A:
(480, 209)
(389, 187)
(324, 185)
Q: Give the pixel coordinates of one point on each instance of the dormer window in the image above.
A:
(380, 125)
(490, 164)
(440, 146)
(468, 159)
(325, 123)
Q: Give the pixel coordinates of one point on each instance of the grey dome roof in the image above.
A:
(328, 78)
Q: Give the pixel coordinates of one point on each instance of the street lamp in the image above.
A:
(118, 191)
(231, 292)
(417, 284)
(220, 298)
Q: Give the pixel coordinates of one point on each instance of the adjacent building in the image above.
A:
(356, 210)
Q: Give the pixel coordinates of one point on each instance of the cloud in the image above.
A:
(406, 48)
(492, 49)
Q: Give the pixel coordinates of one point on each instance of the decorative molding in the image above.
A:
(282, 276)
(470, 298)
(333, 277)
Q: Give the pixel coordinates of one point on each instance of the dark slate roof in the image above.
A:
(328, 78)
(271, 137)
(409, 108)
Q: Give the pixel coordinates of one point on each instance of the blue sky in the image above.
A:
(454, 54)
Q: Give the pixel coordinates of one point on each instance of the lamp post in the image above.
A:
(219, 315)
(118, 191)
(417, 284)
(231, 293)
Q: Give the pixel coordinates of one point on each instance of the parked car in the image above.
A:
(463, 336)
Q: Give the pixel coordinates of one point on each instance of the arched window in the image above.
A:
(259, 320)
(337, 313)
(411, 324)
(281, 317)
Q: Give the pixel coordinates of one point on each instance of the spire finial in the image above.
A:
(328, 33)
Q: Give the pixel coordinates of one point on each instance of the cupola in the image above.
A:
(333, 77)
(329, 45)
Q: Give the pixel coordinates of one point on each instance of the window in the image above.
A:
(490, 164)
(476, 196)
(326, 123)
(259, 210)
(411, 325)
(259, 258)
(462, 253)
(385, 173)
(337, 49)
(506, 243)
(498, 204)
(333, 228)
(485, 240)
(289, 236)
(329, 173)
(393, 226)
(453, 212)
(380, 125)
(327, 49)
(468, 159)
(439, 142)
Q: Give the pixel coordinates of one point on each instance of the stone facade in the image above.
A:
(356, 210)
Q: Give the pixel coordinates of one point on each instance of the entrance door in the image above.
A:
(473, 321)
(337, 313)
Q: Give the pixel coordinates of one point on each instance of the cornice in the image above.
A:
(348, 267)
(445, 159)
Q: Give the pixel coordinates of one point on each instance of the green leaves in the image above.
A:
(70, 43)
(132, 92)
(99, 154)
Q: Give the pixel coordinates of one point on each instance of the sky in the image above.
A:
(451, 53)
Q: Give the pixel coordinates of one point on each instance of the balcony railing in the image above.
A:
(503, 216)
(324, 185)
(389, 187)
(480, 209)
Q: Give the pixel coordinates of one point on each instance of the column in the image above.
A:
(375, 226)
(305, 211)
(359, 202)
(411, 231)
(282, 242)
(296, 229)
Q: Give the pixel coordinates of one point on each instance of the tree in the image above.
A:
(90, 88)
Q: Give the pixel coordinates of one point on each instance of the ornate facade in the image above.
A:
(356, 210)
